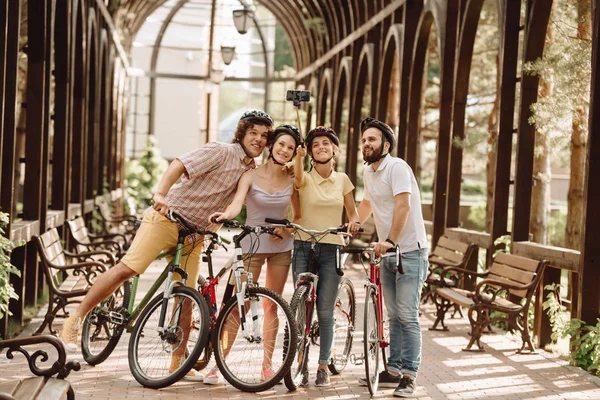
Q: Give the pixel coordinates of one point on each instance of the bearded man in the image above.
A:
(393, 197)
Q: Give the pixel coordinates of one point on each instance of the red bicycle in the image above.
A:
(374, 338)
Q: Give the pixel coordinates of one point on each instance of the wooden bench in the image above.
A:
(447, 253)
(67, 276)
(509, 274)
(84, 241)
(111, 223)
(44, 386)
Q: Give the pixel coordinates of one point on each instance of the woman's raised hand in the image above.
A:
(301, 151)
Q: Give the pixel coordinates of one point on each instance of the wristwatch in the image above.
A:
(390, 241)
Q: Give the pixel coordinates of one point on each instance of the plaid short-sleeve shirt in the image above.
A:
(210, 181)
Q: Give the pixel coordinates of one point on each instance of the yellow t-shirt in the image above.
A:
(322, 203)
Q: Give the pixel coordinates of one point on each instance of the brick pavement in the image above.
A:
(446, 371)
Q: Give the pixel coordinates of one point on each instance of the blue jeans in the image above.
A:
(327, 289)
(402, 294)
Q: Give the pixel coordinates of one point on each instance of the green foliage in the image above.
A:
(557, 227)
(144, 173)
(317, 24)
(566, 63)
(503, 243)
(283, 50)
(97, 221)
(477, 215)
(585, 348)
(7, 292)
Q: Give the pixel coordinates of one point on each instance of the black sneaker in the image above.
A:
(386, 380)
(406, 388)
(322, 378)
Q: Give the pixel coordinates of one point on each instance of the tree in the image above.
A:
(562, 117)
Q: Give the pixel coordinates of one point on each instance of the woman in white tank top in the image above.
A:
(268, 192)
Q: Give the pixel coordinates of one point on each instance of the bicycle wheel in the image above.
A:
(185, 334)
(104, 325)
(371, 341)
(302, 309)
(241, 356)
(343, 315)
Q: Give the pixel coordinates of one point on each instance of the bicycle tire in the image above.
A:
(343, 336)
(96, 348)
(237, 360)
(371, 341)
(301, 306)
(145, 337)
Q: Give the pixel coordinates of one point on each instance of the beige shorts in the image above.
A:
(257, 260)
(156, 234)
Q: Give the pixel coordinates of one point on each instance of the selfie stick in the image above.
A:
(297, 105)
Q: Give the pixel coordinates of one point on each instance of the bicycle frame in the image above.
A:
(235, 282)
(166, 275)
(374, 281)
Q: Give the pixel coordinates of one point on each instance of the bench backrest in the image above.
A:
(517, 270)
(79, 232)
(51, 252)
(450, 251)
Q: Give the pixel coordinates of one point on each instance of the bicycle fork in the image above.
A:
(253, 335)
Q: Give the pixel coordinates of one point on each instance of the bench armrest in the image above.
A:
(60, 367)
(486, 286)
(108, 236)
(106, 246)
(111, 258)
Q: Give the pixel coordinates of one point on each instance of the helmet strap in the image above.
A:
(273, 158)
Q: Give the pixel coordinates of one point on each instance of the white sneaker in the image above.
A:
(70, 333)
(193, 375)
(213, 377)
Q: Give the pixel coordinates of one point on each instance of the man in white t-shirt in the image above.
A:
(393, 196)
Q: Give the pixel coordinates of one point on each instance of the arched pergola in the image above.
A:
(338, 54)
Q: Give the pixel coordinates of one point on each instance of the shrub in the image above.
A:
(7, 292)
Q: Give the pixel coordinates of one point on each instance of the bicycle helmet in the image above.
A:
(387, 133)
(284, 129)
(257, 116)
(321, 131)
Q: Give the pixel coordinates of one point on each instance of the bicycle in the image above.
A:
(303, 304)
(158, 325)
(373, 319)
(240, 341)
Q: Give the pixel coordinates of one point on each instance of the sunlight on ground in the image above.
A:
(473, 361)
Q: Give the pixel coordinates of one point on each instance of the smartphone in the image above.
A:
(298, 96)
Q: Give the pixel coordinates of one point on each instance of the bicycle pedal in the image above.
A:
(116, 318)
(357, 359)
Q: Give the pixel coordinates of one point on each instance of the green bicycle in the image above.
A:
(160, 327)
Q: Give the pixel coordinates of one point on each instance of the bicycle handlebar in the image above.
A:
(395, 249)
(231, 223)
(343, 230)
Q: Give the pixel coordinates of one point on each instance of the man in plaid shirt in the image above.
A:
(209, 177)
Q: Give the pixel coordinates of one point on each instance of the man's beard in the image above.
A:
(374, 157)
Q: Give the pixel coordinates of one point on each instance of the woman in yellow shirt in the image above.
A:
(324, 194)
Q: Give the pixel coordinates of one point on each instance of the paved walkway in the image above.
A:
(446, 371)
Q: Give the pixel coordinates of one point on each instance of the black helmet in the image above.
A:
(257, 116)
(386, 131)
(321, 131)
(286, 129)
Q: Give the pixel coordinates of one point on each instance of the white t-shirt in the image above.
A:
(394, 176)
